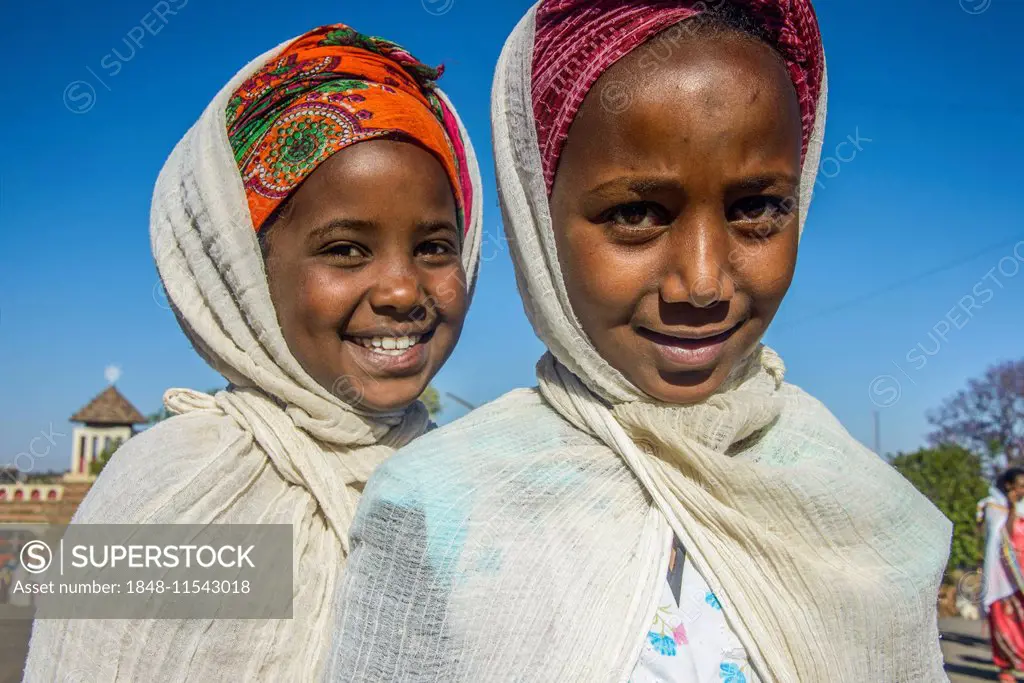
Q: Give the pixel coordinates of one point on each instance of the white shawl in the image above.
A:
(529, 541)
(276, 447)
(996, 583)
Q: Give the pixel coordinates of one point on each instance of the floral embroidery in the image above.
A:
(662, 643)
(730, 672)
(688, 640)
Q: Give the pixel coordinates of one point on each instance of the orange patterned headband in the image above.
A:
(331, 88)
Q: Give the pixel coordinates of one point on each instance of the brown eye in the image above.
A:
(637, 216)
(347, 252)
(436, 249)
(759, 208)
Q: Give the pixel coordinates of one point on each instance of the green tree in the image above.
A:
(987, 417)
(431, 398)
(97, 465)
(951, 478)
(48, 477)
(158, 416)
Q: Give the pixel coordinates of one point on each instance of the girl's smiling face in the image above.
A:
(675, 210)
(366, 275)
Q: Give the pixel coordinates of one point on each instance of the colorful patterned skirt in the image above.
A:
(1006, 621)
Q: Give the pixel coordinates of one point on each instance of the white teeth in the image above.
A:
(390, 346)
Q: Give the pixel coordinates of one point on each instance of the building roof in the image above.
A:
(109, 408)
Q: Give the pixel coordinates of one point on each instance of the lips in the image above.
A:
(390, 344)
(695, 337)
(391, 355)
(689, 350)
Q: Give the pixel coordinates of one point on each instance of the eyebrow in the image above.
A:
(653, 184)
(340, 224)
(431, 226)
(325, 230)
(761, 183)
(641, 185)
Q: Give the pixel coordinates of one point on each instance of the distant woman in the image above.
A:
(663, 507)
(317, 233)
(1003, 584)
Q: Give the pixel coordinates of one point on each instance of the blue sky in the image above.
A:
(930, 88)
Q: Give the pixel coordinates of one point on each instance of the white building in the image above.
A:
(107, 420)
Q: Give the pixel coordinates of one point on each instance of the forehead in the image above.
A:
(366, 172)
(701, 92)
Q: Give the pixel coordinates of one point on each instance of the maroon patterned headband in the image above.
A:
(578, 40)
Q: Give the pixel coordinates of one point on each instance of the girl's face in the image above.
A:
(1016, 488)
(675, 210)
(365, 273)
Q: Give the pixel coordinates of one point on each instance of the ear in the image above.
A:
(282, 214)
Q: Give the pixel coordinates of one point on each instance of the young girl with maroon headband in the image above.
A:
(663, 507)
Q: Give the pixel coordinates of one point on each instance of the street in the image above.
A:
(14, 635)
(966, 650)
(964, 645)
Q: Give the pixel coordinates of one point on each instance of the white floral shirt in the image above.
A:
(689, 640)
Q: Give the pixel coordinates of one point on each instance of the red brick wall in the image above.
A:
(43, 512)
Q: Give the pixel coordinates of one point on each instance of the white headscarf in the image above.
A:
(511, 545)
(275, 447)
(801, 609)
(993, 513)
(213, 271)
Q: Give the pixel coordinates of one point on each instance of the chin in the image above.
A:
(679, 390)
(686, 388)
(391, 395)
(691, 387)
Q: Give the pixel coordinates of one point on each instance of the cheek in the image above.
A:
(603, 282)
(320, 295)
(763, 271)
(447, 287)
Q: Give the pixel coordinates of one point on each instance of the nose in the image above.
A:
(398, 290)
(697, 269)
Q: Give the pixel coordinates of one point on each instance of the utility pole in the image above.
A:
(459, 400)
(878, 433)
